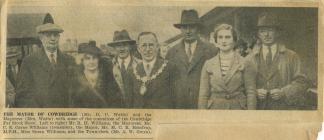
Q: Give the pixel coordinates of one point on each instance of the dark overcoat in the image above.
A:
(41, 84)
(125, 83)
(159, 93)
(187, 80)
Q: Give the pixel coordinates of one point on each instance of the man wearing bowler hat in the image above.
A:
(280, 82)
(44, 78)
(189, 56)
(124, 62)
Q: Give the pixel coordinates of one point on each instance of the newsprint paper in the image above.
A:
(162, 70)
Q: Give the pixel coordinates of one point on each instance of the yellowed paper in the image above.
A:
(83, 21)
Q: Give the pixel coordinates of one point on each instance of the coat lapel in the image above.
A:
(46, 66)
(274, 65)
(198, 54)
(218, 73)
(234, 67)
(117, 75)
(59, 67)
(181, 53)
(140, 70)
(260, 60)
(44, 61)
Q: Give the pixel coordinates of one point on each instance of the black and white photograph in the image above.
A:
(162, 57)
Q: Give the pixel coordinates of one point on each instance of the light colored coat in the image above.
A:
(239, 82)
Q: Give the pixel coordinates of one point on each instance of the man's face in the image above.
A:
(148, 47)
(50, 40)
(189, 32)
(267, 35)
(123, 50)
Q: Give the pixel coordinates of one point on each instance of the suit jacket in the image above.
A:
(125, 85)
(239, 82)
(159, 93)
(187, 73)
(43, 85)
(105, 94)
(284, 73)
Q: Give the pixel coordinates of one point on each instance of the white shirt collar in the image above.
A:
(49, 55)
(126, 61)
(151, 64)
(193, 46)
(273, 50)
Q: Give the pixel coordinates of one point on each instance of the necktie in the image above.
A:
(189, 53)
(148, 70)
(269, 56)
(123, 69)
(52, 58)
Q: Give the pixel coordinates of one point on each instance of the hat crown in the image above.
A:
(121, 35)
(48, 19)
(268, 19)
(189, 17)
(89, 48)
(48, 25)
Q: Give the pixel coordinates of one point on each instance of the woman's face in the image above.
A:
(225, 40)
(90, 62)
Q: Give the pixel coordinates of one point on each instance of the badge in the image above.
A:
(143, 89)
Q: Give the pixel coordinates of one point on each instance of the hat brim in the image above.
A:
(179, 25)
(49, 28)
(113, 44)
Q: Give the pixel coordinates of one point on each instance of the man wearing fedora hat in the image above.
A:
(189, 56)
(280, 82)
(123, 64)
(44, 78)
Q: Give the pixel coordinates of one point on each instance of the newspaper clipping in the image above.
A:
(160, 69)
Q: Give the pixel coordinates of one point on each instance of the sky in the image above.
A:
(98, 22)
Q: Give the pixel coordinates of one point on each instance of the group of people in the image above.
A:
(193, 75)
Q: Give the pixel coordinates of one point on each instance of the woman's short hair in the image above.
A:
(225, 27)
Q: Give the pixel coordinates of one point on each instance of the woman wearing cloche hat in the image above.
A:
(94, 85)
